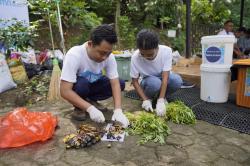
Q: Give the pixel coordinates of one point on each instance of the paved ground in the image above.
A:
(198, 145)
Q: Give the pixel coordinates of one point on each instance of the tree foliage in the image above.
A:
(72, 12)
(156, 14)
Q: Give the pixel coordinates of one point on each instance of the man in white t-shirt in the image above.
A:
(228, 28)
(82, 81)
(153, 63)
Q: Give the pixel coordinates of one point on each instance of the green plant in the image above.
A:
(164, 20)
(148, 126)
(178, 43)
(179, 113)
(72, 12)
(15, 34)
(127, 32)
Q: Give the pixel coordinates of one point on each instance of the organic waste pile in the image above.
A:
(153, 128)
(86, 136)
(179, 113)
(39, 86)
(148, 126)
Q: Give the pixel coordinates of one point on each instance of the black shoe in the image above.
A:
(79, 115)
(97, 105)
(186, 84)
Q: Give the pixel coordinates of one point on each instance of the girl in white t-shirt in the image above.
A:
(153, 63)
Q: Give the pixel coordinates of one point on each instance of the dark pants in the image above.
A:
(234, 73)
(99, 90)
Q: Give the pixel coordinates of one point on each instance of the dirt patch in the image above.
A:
(33, 91)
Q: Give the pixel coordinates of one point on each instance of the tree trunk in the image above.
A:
(179, 14)
(117, 16)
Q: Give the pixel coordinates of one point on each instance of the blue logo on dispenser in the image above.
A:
(214, 54)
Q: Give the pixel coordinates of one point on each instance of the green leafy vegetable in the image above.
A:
(148, 126)
(179, 113)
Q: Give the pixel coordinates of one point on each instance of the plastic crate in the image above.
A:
(123, 67)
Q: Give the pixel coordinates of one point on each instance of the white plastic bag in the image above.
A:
(56, 54)
(59, 54)
(29, 56)
(176, 56)
(6, 81)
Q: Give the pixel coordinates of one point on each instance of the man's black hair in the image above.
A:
(248, 31)
(228, 21)
(103, 32)
(242, 29)
(147, 39)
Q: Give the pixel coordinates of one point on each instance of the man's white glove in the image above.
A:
(147, 105)
(95, 114)
(161, 107)
(120, 117)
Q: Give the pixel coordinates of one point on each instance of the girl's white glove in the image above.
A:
(161, 107)
(147, 105)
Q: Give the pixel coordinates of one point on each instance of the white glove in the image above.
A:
(147, 105)
(120, 117)
(161, 107)
(95, 114)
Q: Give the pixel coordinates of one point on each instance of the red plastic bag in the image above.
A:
(21, 127)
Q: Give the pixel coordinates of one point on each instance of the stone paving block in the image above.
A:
(206, 140)
(230, 137)
(117, 153)
(14, 156)
(181, 140)
(186, 130)
(246, 162)
(143, 156)
(98, 162)
(76, 157)
(206, 128)
(226, 162)
(201, 153)
(232, 152)
(48, 155)
(171, 155)
(59, 163)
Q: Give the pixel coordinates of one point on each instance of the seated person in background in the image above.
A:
(228, 30)
(240, 32)
(244, 44)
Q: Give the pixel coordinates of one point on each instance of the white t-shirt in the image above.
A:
(143, 67)
(224, 32)
(78, 63)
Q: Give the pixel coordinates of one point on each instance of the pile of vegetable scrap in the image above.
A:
(38, 84)
(114, 132)
(148, 126)
(86, 136)
(179, 113)
(36, 89)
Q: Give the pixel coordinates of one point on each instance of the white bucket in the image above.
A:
(215, 83)
(217, 49)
